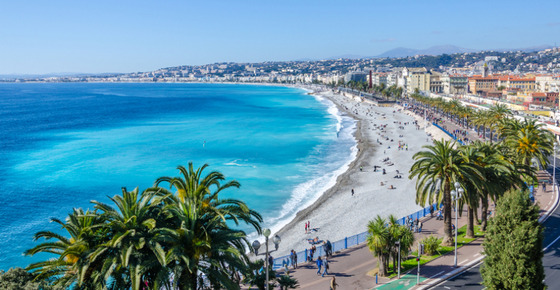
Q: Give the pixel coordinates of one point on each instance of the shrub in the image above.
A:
(431, 244)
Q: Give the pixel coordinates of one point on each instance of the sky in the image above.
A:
(56, 36)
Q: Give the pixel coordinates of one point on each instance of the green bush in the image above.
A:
(431, 245)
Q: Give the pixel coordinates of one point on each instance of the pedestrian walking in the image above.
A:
(432, 210)
(333, 283)
(325, 267)
(319, 264)
(295, 259)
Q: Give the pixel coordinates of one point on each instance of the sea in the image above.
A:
(65, 144)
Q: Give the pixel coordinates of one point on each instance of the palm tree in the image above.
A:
(72, 265)
(500, 174)
(135, 254)
(441, 166)
(199, 237)
(204, 192)
(482, 121)
(497, 116)
(472, 188)
(379, 242)
(527, 140)
(401, 234)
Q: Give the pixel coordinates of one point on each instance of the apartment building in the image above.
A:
(455, 84)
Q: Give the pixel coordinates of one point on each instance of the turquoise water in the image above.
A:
(66, 144)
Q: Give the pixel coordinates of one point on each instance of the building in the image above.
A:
(357, 76)
(418, 79)
(436, 85)
(518, 83)
(378, 79)
(547, 83)
(480, 85)
(454, 84)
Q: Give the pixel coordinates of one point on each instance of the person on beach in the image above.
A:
(306, 228)
(319, 264)
(352, 192)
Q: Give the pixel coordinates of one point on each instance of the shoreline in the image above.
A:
(336, 213)
(301, 215)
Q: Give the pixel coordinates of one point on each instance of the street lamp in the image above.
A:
(456, 194)
(554, 167)
(399, 271)
(276, 240)
(256, 245)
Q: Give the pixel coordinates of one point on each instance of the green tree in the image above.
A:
(19, 279)
(436, 170)
(135, 249)
(513, 245)
(527, 140)
(286, 282)
(399, 234)
(148, 237)
(71, 263)
(379, 242)
(257, 276)
(199, 238)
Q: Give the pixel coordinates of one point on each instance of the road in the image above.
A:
(471, 278)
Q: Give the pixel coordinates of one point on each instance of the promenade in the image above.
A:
(351, 266)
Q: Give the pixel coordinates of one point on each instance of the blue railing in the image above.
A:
(345, 243)
(448, 133)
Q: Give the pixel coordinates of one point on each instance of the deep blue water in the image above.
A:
(63, 145)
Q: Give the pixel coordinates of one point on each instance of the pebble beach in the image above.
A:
(375, 183)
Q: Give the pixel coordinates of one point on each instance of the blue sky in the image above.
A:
(125, 36)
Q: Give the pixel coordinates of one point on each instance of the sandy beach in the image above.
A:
(338, 213)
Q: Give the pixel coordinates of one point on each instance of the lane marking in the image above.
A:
(436, 274)
(546, 248)
(463, 262)
(476, 255)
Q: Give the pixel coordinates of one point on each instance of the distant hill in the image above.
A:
(434, 50)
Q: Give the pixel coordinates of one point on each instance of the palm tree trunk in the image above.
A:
(447, 236)
(395, 262)
(470, 225)
(381, 262)
(484, 213)
(387, 259)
